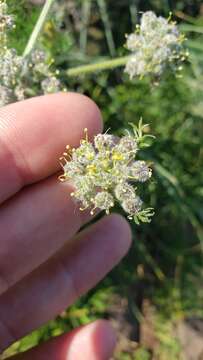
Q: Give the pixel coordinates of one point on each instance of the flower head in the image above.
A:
(105, 172)
(156, 45)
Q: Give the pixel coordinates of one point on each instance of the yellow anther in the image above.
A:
(91, 169)
(90, 156)
(117, 156)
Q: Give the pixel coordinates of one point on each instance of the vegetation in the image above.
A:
(165, 265)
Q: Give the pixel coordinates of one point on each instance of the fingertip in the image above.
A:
(120, 230)
(84, 105)
(93, 112)
(97, 339)
(105, 338)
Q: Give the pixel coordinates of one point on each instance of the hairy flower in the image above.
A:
(10, 67)
(6, 23)
(104, 172)
(5, 95)
(73, 168)
(19, 92)
(124, 191)
(140, 171)
(104, 201)
(51, 85)
(38, 56)
(156, 45)
(104, 141)
(132, 205)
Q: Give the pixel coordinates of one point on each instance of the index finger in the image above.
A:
(33, 134)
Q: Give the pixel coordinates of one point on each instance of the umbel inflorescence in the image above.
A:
(107, 171)
(22, 76)
(156, 45)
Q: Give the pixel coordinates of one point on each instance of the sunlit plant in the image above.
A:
(108, 171)
(156, 45)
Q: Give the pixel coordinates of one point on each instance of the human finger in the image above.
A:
(59, 282)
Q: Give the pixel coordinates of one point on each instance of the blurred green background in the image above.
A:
(156, 291)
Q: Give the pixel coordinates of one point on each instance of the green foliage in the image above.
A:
(169, 249)
(142, 354)
(22, 10)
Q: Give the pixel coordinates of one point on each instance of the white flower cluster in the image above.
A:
(106, 172)
(6, 22)
(22, 77)
(156, 45)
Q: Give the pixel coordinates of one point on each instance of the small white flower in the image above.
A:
(128, 144)
(104, 141)
(104, 201)
(51, 85)
(19, 92)
(140, 171)
(124, 191)
(132, 205)
(6, 21)
(10, 67)
(5, 95)
(72, 169)
(84, 154)
(38, 56)
(134, 42)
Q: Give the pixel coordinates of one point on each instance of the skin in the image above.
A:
(44, 263)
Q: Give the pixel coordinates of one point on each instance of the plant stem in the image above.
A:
(38, 27)
(104, 65)
(107, 26)
(133, 14)
(86, 8)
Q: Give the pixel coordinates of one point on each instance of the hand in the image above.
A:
(44, 265)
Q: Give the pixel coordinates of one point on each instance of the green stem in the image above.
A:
(104, 65)
(86, 9)
(107, 26)
(38, 27)
(133, 14)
